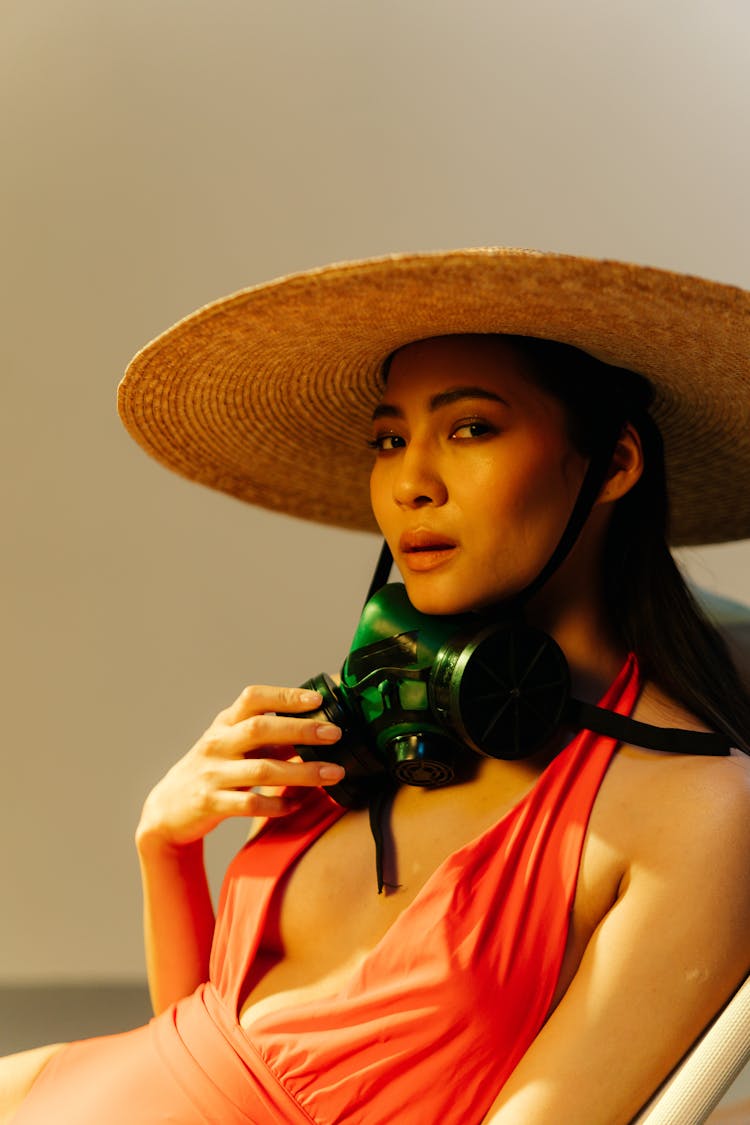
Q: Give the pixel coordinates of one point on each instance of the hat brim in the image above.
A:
(267, 394)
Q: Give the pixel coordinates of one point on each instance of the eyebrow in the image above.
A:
(443, 398)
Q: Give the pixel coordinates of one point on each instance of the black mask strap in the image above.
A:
(587, 716)
(596, 475)
(379, 803)
(382, 571)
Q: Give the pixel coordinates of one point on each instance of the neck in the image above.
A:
(571, 608)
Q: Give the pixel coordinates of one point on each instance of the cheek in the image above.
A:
(534, 486)
(377, 496)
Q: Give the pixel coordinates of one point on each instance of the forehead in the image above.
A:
(433, 364)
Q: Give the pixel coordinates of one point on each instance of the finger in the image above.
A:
(262, 731)
(250, 772)
(257, 698)
(251, 804)
(254, 804)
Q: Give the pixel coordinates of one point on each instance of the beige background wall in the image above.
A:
(157, 154)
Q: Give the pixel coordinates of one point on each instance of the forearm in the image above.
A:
(219, 777)
(178, 918)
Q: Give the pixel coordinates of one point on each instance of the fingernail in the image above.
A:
(327, 732)
(331, 773)
(310, 698)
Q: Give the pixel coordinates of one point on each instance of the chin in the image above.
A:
(441, 603)
(442, 599)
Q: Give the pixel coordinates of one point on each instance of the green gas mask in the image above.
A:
(421, 695)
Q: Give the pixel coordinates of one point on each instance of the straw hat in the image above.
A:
(267, 394)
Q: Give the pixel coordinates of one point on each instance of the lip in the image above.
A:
(423, 550)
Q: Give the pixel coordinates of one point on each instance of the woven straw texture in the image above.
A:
(267, 394)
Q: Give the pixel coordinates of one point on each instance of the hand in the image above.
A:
(244, 747)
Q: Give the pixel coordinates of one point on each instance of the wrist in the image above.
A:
(151, 842)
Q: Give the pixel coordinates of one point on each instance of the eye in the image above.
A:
(386, 443)
(474, 428)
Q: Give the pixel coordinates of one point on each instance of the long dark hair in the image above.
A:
(651, 607)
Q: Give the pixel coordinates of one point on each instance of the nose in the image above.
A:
(418, 481)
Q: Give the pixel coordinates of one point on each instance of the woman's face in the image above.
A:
(474, 476)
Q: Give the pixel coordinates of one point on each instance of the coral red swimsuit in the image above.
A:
(429, 1027)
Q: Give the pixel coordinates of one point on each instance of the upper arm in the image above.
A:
(660, 964)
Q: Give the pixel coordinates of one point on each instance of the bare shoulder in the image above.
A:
(675, 827)
(693, 809)
(691, 797)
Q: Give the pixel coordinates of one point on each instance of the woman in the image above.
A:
(559, 924)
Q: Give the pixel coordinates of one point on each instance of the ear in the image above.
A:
(626, 466)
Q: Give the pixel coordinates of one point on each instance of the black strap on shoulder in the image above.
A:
(586, 716)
